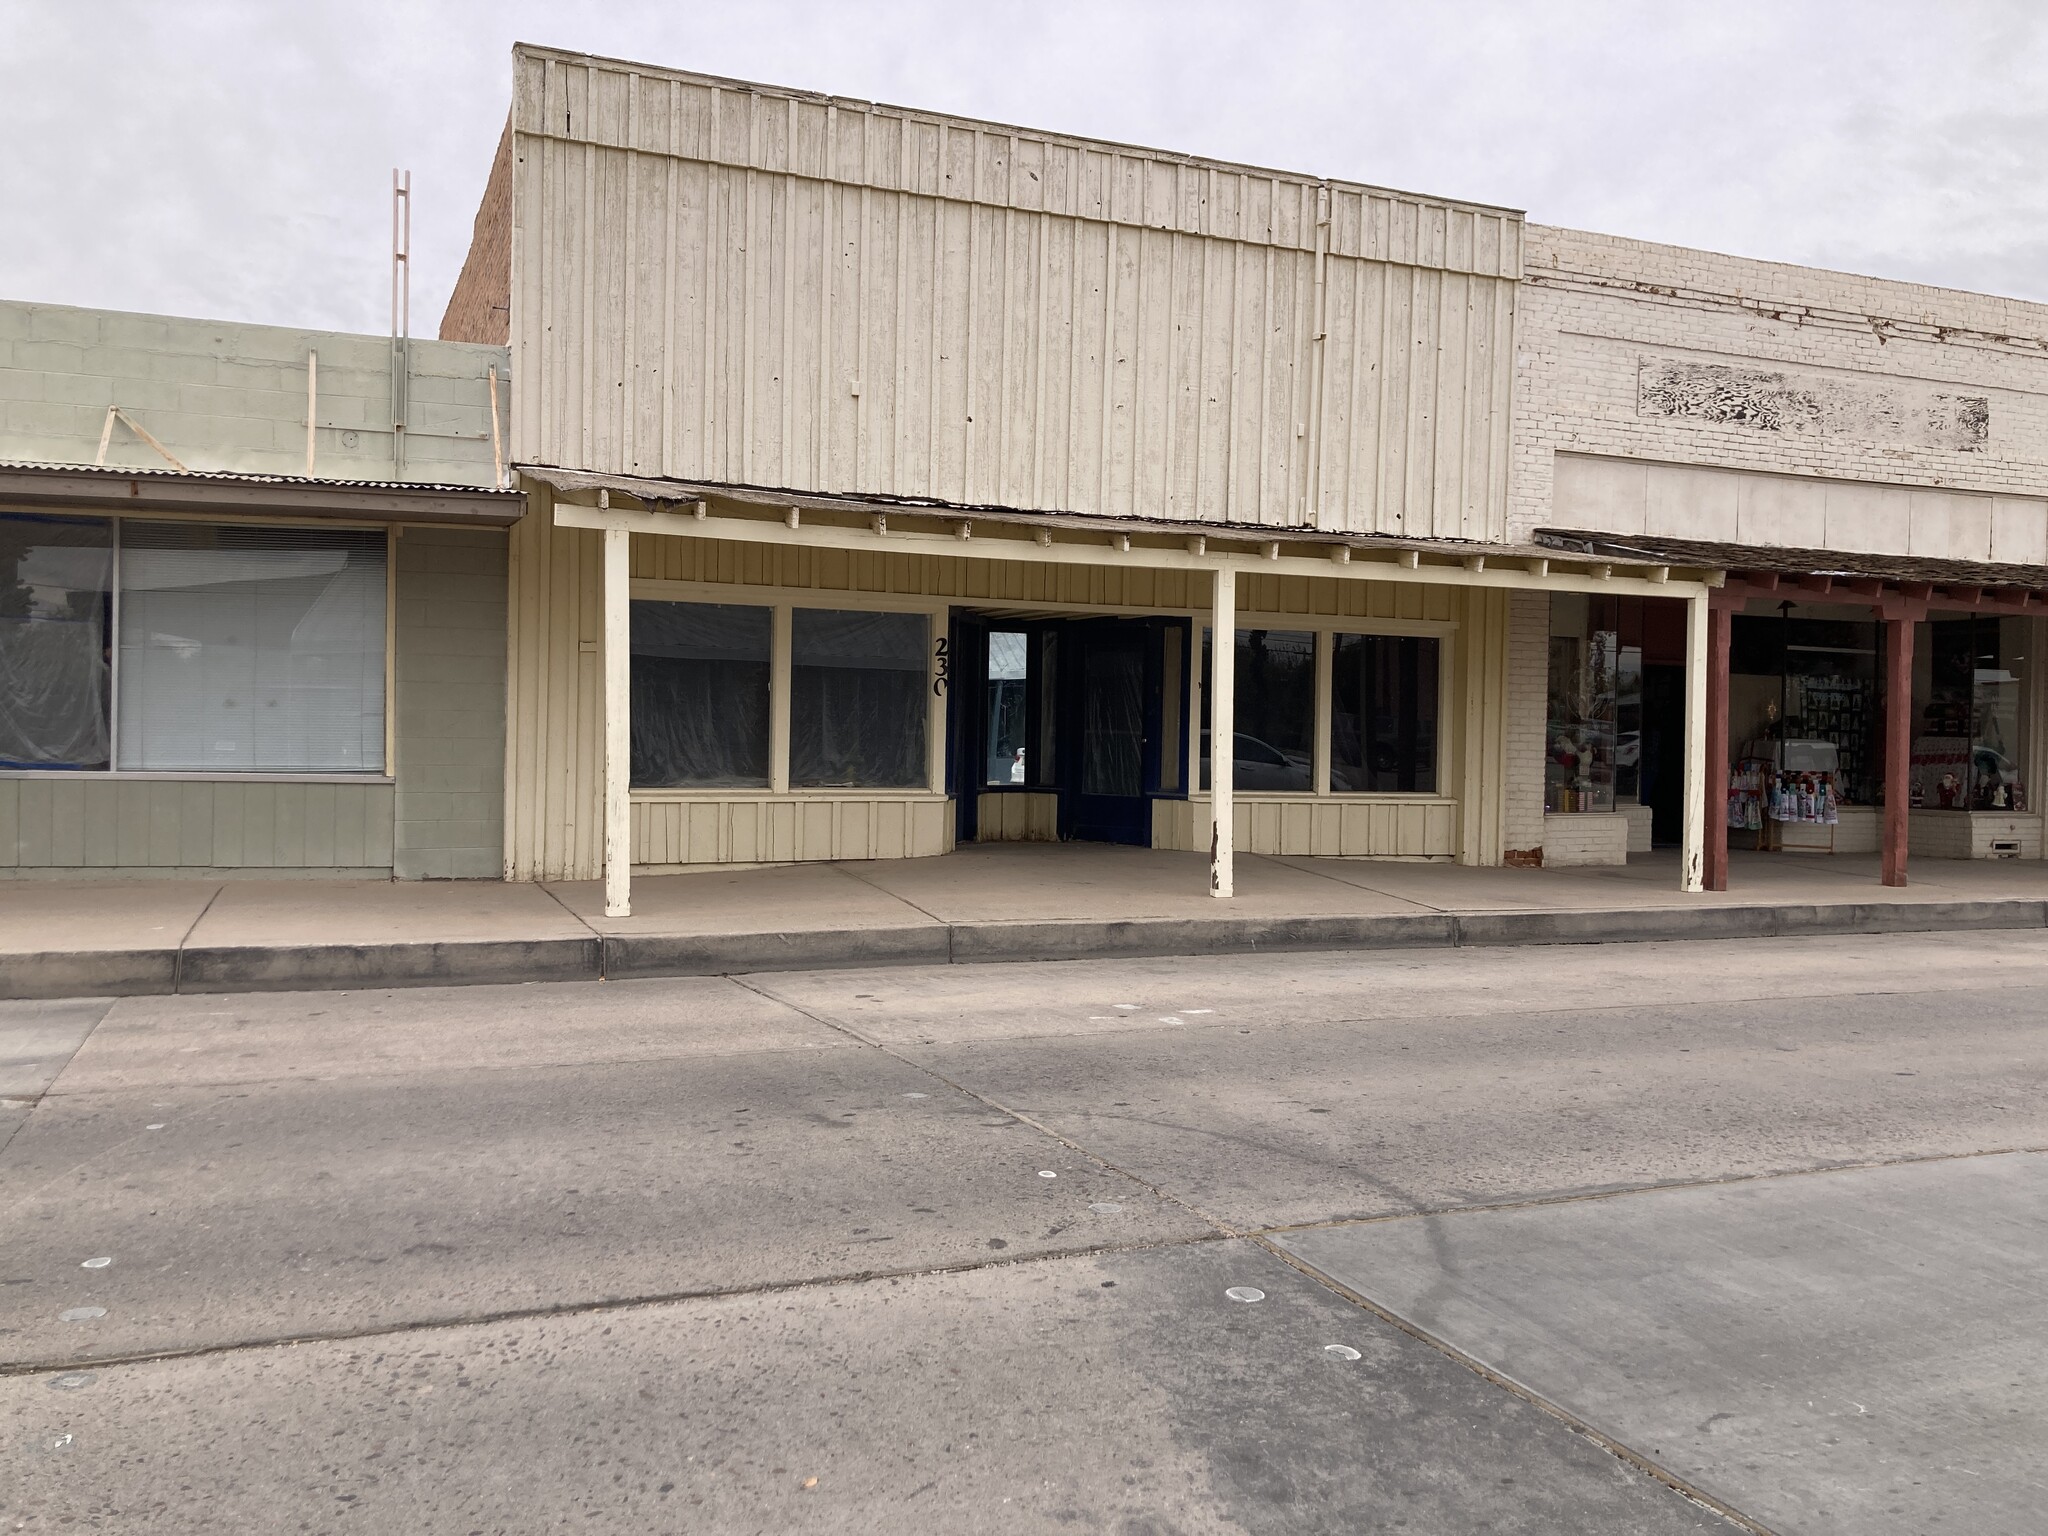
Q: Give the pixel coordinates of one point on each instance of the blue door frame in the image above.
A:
(1095, 691)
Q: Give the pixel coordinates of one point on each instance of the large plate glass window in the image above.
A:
(1383, 714)
(700, 695)
(1275, 708)
(56, 608)
(251, 649)
(857, 699)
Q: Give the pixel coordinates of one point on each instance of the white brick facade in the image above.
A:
(1876, 464)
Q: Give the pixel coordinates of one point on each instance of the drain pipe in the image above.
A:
(1318, 341)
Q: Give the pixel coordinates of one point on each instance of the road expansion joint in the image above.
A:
(1571, 1421)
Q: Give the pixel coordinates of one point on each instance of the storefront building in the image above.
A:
(806, 479)
(1867, 461)
(243, 628)
(893, 473)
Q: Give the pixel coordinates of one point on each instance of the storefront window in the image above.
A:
(1004, 705)
(1968, 703)
(1383, 714)
(700, 695)
(1583, 731)
(857, 711)
(1801, 676)
(1275, 709)
(251, 649)
(56, 601)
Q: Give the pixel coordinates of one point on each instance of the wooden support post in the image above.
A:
(1898, 744)
(1222, 730)
(618, 728)
(1720, 632)
(1692, 854)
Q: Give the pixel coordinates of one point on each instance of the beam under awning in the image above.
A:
(87, 489)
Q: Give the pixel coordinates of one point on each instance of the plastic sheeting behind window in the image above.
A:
(700, 695)
(857, 699)
(1113, 734)
(54, 594)
(248, 648)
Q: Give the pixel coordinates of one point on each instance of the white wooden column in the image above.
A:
(1222, 730)
(1693, 847)
(618, 727)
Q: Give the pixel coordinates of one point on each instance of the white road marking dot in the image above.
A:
(1341, 1352)
(917, 1095)
(80, 1314)
(71, 1381)
(1245, 1293)
(1128, 1007)
(1105, 1208)
(1047, 1173)
(1167, 1018)
(157, 1127)
(95, 1263)
(1198, 1010)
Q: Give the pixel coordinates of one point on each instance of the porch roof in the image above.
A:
(1822, 574)
(766, 507)
(97, 488)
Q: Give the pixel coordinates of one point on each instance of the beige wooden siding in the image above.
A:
(1346, 827)
(553, 742)
(761, 829)
(1013, 816)
(89, 823)
(736, 284)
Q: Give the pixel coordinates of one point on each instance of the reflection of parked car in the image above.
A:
(1261, 766)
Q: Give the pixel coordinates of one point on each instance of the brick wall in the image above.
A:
(1594, 309)
(1528, 705)
(1582, 838)
(450, 705)
(480, 308)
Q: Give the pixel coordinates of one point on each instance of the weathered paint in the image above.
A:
(227, 397)
(92, 823)
(553, 783)
(739, 284)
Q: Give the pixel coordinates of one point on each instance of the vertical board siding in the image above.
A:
(736, 285)
(552, 754)
(87, 823)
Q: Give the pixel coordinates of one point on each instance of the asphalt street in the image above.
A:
(1608, 1239)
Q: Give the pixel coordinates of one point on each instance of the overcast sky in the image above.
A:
(233, 160)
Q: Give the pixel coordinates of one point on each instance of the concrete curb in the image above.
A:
(285, 968)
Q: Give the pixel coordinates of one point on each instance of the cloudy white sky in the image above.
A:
(232, 158)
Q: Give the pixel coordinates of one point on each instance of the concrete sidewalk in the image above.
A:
(983, 903)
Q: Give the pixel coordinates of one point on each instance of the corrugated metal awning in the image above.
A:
(96, 488)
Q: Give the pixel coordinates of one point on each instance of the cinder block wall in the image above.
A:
(450, 822)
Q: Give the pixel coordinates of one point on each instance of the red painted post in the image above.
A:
(1720, 627)
(1898, 744)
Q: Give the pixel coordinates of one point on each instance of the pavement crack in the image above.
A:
(1588, 1196)
(1158, 1191)
(27, 1368)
